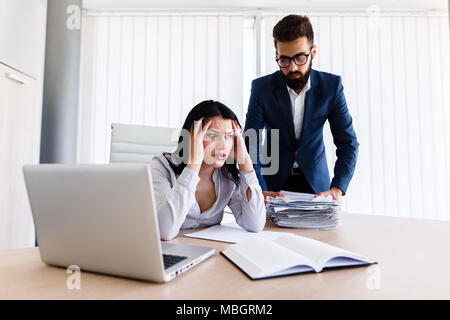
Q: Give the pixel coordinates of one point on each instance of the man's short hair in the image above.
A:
(291, 28)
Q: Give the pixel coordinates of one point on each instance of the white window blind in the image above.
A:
(152, 69)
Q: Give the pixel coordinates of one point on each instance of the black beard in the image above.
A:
(297, 83)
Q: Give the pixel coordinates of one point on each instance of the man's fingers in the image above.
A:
(273, 194)
(327, 193)
(335, 196)
(321, 194)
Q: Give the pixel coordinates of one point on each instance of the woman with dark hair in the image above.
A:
(210, 169)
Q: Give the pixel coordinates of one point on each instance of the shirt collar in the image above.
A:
(305, 89)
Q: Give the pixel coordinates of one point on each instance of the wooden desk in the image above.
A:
(413, 263)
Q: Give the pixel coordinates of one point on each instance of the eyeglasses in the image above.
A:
(299, 59)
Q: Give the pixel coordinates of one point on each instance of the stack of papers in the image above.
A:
(302, 210)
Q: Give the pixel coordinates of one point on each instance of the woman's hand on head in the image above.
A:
(240, 153)
(196, 150)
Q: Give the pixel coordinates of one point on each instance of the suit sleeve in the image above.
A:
(255, 121)
(344, 138)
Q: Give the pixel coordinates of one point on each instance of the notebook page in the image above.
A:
(320, 253)
(259, 257)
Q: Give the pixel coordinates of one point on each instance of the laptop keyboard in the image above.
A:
(171, 259)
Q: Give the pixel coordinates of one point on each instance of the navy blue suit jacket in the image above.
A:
(270, 108)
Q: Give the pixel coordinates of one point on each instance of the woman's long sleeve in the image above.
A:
(249, 213)
(172, 203)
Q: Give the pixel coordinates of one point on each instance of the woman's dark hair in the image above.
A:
(206, 109)
(291, 28)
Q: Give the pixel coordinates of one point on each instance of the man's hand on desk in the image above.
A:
(336, 193)
(271, 194)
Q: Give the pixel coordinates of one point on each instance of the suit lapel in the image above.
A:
(285, 106)
(310, 102)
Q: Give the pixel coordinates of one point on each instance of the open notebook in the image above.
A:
(289, 254)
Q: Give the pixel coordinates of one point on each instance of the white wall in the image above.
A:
(267, 4)
(22, 31)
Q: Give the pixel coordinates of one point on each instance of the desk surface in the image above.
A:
(413, 263)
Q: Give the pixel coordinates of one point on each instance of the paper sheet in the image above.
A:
(231, 234)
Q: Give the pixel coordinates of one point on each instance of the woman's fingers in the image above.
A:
(236, 127)
(198, 126)
(237, 131)
(205, 128)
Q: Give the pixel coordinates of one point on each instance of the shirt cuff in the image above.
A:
(189, 179)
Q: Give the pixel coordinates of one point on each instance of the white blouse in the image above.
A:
(178, 208)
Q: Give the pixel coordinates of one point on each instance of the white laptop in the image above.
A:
(102, 218)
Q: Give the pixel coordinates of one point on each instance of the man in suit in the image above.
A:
(298, 100)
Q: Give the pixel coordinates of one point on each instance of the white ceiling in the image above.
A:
(267, 4)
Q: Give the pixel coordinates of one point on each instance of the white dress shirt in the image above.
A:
(298, 109)
(177, 207)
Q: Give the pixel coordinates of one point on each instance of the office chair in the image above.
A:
(137, 143)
